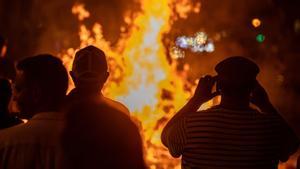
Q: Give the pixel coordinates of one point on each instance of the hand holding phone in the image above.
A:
(203, 92)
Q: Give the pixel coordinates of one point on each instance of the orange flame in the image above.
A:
(79, 10)
(141, 75)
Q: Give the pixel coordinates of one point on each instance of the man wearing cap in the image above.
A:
(232, 134)
(89, 73)
(99, 132)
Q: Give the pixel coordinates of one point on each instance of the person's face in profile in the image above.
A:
(24, 95)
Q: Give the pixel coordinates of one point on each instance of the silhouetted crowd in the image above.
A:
(86, 130)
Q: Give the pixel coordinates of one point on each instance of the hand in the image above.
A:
(203, 92)
(260, 98)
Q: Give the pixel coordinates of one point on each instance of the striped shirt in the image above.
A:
(228, 139)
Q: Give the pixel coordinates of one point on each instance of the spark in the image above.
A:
(198, 43)
(182, 42)
(177, 53)
(200, 38)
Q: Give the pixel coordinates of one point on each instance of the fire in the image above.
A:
(79, 10)
(142, 77)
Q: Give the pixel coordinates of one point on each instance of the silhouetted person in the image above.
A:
(39, 91)
(89, 73)
(6, 120)
(99, 132)
(231, 135)
(99, 136)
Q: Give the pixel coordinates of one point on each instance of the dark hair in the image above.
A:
(5, 94)
(48, 74)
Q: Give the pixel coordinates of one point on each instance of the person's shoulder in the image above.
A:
(220, 112)
(214, 109)
(20, 128)
(116, 105)
(13, 134)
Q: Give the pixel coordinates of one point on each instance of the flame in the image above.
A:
(78, 9)
(183, 7)
(142, 77)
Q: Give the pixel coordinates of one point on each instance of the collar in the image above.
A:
(48, 116)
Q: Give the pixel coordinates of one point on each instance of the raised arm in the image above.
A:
(173, 135)
(290, 141)
(260, 98)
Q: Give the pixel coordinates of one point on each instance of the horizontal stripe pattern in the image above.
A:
(219, 138)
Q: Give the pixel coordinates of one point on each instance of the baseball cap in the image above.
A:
(89, 64)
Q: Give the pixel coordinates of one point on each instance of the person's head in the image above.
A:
(5, 95)
(236, 76)
(41, 84)
(89, 70)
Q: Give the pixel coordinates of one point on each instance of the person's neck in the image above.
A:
(87, 91)
(235, 102)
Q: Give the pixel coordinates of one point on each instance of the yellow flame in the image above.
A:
(141, 75)
(183, 7)
(79, 10)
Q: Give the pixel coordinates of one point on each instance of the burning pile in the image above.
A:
(142, 77)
